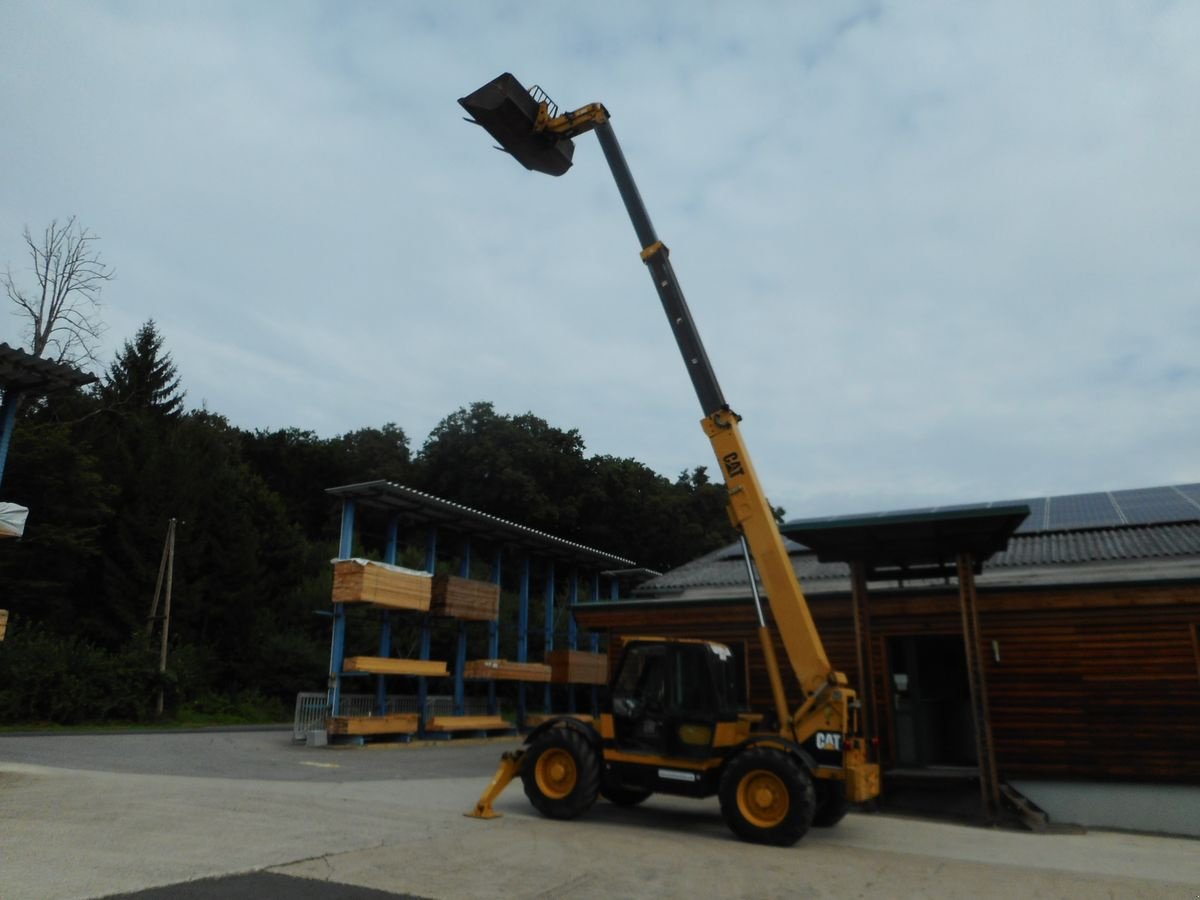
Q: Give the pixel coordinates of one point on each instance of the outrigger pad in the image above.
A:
(509, 113)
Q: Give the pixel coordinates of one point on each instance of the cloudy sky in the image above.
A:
(939, 252)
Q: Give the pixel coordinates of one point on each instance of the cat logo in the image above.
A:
(829, 740)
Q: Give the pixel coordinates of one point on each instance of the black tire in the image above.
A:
(832, 804)
(561, 773)
(623, 796)
(767, 797)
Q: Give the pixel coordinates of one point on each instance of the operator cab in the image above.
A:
(668, 696)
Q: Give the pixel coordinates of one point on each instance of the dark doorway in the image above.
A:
(931, 702)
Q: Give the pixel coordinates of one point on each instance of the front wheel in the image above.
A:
(561, 774)
(767, 797)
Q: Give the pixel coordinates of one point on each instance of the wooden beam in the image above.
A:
(378, 665)
(503, 670)
(398, 723)
(467, 723)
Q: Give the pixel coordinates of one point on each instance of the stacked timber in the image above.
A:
(503, 670)
(3, 622)
(465, 598)
(578, 667)
(393, 587)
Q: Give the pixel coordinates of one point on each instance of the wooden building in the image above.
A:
(1088, 638)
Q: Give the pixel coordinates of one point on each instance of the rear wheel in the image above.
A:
(561, 773)
(767, 797)
(832, 804)
(623, 796)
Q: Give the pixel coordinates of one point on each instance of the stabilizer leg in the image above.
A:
(510, 767)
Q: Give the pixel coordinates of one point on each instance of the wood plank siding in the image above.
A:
(1084, 682)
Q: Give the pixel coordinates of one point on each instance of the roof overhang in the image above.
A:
(901, 546)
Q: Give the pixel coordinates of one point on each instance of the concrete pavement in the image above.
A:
(390, 820)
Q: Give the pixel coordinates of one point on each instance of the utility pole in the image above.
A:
(165, 567)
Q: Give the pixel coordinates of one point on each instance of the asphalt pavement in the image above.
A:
(250, 815)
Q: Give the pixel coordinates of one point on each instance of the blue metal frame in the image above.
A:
(431, 542)
(337, 648)
(460, 656)
(494, 633)
(8, 422)
(572, 628)
(523, 633)
(549, 630)
(385, 626)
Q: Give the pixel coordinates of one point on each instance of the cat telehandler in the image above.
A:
(670, 721)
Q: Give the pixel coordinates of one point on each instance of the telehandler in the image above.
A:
(670, 722)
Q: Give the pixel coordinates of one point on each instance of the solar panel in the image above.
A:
(1162, 504)
(1037, 515)
(1083, 511)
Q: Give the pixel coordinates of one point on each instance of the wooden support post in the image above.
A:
(862, 641)
(989, 783)
(166, 628)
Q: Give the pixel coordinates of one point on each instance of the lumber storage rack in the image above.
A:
(443, 535)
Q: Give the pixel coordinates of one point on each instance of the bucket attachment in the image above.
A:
(509, 113)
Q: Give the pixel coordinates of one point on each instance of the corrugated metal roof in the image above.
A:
(23, 371)
(417, 506)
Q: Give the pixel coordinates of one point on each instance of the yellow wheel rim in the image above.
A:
(556, 773)
(762, 798)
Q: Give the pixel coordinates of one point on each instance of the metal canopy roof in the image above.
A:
(420, 508)
(912, 544)
(21, 371)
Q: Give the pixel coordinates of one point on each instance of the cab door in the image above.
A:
(668, 697)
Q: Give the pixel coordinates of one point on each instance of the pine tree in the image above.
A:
(144, 377)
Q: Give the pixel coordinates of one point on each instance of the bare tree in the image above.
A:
(63, 312)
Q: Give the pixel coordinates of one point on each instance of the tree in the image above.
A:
(62, 311)
(144, 377)
(517, 467)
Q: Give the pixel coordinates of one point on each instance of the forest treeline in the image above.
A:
(103, 470)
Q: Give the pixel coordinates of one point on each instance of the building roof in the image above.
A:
(23, 371)
(1152, 551)
(417, 507)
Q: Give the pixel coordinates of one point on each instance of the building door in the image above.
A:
(931, 702)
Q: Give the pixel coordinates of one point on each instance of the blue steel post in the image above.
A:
(494, 634)
(460, 657)
(549, 633)
(426, 629)
(572, 629)
(523, 634)
(595, 643)
(337, 645)
(8, 421)
(385, 627)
